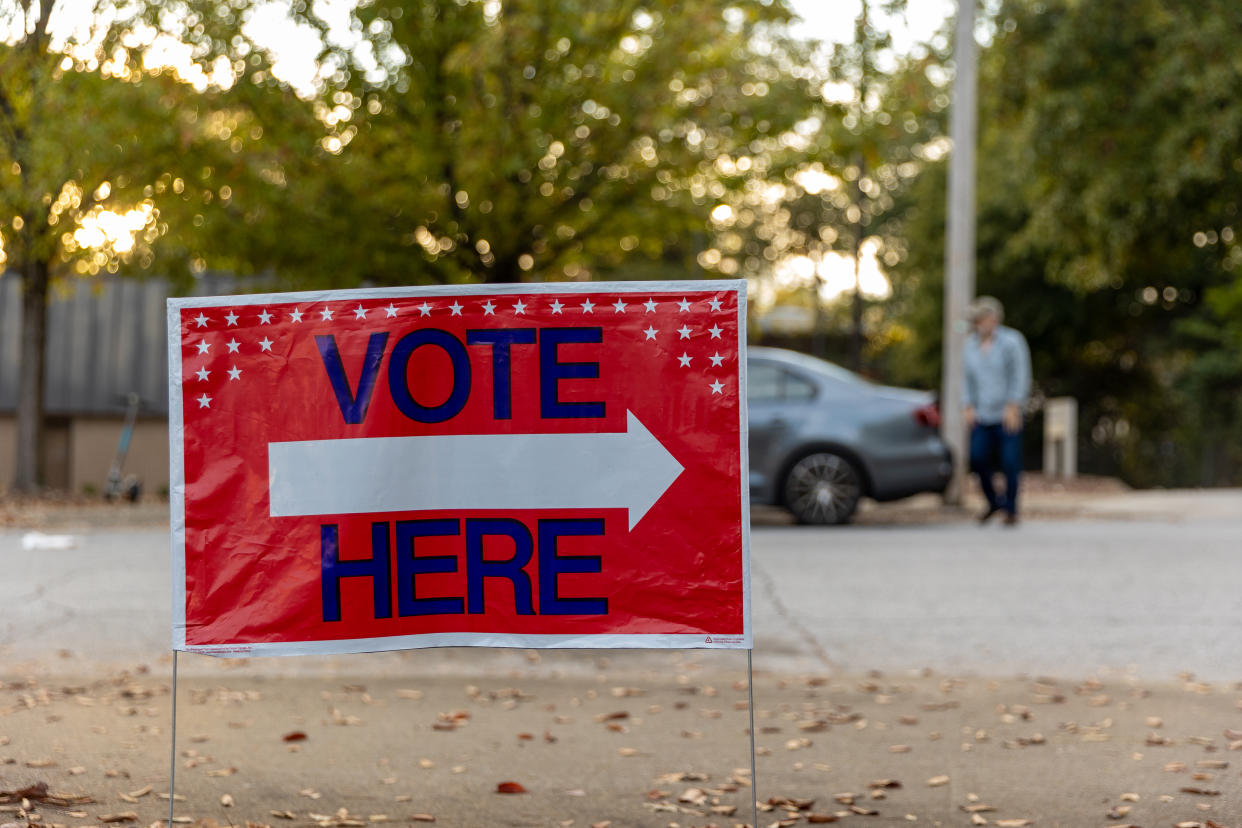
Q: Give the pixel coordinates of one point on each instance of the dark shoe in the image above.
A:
(1011, 519)
(986, 516)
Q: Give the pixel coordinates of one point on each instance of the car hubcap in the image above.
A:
(822, 488)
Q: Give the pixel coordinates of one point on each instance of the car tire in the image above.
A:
(822, 488)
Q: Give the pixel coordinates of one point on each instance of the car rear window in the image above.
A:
(766, 381)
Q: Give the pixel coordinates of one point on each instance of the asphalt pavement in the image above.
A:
(1141, 584)
(1079, 670)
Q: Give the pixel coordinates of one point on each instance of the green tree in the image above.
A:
(111, 161)
(843, 176)
(541, 138)
(1109, 195)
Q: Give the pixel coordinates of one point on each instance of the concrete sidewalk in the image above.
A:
(1082, 499)
(659, 748)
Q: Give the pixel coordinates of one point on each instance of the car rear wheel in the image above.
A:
(823, 488)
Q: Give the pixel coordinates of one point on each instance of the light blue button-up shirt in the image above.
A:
(997, 375)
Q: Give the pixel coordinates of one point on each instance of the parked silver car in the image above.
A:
(822, 437)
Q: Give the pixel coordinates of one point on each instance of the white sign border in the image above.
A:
(176, 443)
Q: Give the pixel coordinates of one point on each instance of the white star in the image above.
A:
(360, 312)
(618, 306)
(684, 330)
(390, 311)
(715, 303)
(234, 373)
(265, 318)
(588, 307)
(325, 314)
(233, 346)
(650, 332)
(204, 401)
(424, 309)
(489, 308)
(650, 305)
(200, 320)
(296, 316)
(203, 373)
(265, 344)
(204, 347)
(455, 308)
(520, 307)
(231, 319)
(717, 387)
(716, 359)
(683, 305)
(715, 331)
(684, 359)
(556, 306)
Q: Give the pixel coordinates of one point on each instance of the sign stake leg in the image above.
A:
(172, 762)
(750, 689)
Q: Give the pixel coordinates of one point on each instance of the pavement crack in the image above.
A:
(809, 638)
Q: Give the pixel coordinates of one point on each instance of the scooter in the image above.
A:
(130, 487)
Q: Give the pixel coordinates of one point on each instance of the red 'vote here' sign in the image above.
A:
(536, 466)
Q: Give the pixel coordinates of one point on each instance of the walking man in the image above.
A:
(998, 381)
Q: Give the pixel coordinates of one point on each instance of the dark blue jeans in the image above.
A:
(986, 441)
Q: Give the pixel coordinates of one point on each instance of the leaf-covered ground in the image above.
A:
(661, 748)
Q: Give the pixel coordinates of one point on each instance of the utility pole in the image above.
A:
(959, 249)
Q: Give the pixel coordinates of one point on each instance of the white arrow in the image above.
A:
(629, 470)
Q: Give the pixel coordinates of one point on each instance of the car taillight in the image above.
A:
(928, 415)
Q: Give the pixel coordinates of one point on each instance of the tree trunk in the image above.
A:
(504, 272)
(30, 473)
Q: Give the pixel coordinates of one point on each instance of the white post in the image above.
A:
(959, 251)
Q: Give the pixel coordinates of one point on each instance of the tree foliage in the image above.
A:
(542, 138)
(114, 159)
(1110, 181)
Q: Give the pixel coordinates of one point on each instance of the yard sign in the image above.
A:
(557, 465)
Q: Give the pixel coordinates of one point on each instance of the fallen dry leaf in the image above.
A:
(422, 818)
(283, 814)
(227, 800)
(124, 816)
(1014, 823)
(937, 781)
(294, 736)
(510, 788)
(820, 819)
(38, 792)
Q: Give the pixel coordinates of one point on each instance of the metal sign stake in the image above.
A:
(750, 689)
(172, 762)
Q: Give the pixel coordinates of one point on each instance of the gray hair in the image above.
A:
(984, 305)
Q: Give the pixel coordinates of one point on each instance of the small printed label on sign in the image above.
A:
(535, 466)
